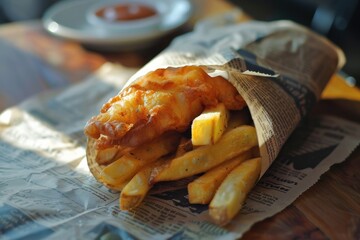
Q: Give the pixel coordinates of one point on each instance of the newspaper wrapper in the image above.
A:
(48, 192)
(279, 68)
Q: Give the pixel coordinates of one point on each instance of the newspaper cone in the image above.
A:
(91, 154)
(279, 68)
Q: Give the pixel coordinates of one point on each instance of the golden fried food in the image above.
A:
(142, 137)
(233, 191)
(125, 167)
(234, 143)
(202, 189)
(160, 101)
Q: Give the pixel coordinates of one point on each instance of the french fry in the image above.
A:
(106, 156)
(135, 191)
(232, 192)
(202, 189)
(209, 126)
(203, 158)
(117, 186)
(124, 168)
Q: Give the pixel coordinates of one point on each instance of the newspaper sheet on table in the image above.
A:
(48, 192)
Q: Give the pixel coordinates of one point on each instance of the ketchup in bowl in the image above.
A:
(126, 12)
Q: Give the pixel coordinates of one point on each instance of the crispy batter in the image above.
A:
(161, 101)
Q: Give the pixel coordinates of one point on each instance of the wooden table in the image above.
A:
(32, 61)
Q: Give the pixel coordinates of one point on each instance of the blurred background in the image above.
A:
(339, 20)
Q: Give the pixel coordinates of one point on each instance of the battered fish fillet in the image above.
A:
(161, 101)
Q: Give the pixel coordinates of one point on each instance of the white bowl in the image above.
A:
(69, 19)
(145, 24)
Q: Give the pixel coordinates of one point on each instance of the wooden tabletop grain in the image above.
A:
(32, 61)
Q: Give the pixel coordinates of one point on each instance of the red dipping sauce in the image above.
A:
(125, 12)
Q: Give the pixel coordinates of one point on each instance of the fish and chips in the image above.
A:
(171, 124)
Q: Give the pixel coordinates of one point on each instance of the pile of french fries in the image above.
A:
(222, 153)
